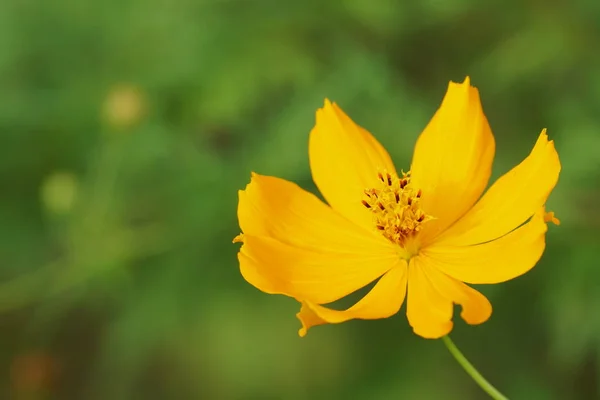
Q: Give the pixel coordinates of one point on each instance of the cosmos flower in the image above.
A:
(422, 235)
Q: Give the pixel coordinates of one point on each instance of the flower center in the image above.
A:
(396, 209)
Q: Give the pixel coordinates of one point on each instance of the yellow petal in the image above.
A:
(316, 275)
(345, 160)
(453, 158)
(384, 300)
(431, 296)
(497, 261)
(511, 200)
(550, 217)
(429, 313)
(282, 210)
(296, 245)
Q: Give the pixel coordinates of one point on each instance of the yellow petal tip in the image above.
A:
(304, 329)
(544, 136)
(253, 178)
(322, 112)
(238, 239)
(465, 83)
(435, 332)
(549, 217)
(327, 104)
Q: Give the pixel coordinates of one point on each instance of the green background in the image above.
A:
(127, 127)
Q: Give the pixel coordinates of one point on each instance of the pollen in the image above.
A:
(396, 209)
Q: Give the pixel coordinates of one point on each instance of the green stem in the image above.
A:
(470, 369)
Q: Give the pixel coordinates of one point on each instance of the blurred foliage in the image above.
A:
(127, 127)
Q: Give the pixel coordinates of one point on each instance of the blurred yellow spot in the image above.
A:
(59, 191)
(123, 106)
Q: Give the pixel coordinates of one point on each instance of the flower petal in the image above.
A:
(345, 160)
(453, 158)
(511, 200)
(431, 295)
(497, 261)
(384, 300)
(296, 245)
(429, 313)
(319, 276)
(282, 210)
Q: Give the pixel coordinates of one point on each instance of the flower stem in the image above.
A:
(470, 369)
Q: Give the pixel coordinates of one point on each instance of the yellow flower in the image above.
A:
(427, 232)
